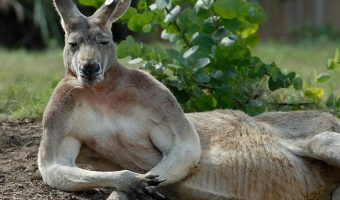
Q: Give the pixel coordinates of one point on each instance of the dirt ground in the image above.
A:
(19, 174)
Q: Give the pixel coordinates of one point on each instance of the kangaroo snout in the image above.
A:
(90, 72)
(90, 69)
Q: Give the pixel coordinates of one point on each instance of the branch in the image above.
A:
(186, 41)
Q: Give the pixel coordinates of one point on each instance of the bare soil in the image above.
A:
(19, 174)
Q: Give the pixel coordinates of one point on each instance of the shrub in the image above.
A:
(206, 61)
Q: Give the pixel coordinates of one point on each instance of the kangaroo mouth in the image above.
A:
(90, 79)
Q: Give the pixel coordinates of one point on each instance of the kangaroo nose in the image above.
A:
(89, 69)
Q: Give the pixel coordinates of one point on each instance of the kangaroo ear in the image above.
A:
(111, 11)
(69, 13)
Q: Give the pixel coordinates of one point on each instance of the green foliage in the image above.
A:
(319, 88)
(44, 16)
(209, 64)
(93, 3)
(332, 65)
(333, 101)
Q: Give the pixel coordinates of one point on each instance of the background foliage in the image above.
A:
(35, 24)
(207, 62)
(210, 64)
(29, 24)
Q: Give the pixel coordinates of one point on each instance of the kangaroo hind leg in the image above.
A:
(324, 146)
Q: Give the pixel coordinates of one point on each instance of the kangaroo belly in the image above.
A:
(239, 175)
(256, 173)
(242, 160)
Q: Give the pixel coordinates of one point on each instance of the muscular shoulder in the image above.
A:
(60, 101)
(154, 94)
(142, 80)
(145, 84)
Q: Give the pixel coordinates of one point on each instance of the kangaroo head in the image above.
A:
(89, 49)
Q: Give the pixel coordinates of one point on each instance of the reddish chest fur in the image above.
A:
(116, 101)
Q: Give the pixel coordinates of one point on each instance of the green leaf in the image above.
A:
(336, 55)
(316, 93)
(203, 41)
(190, 51)
(253, 12)
(170, 17)
(162, 3)
(142, 5)
(252, 40)
(201, 77)
(323, 77)
(219, 33)
(93, 3)
(147, 28)
(174, 54)
(278, 80)
(290, 77)
(217, 74)
(203, 4)
(228, 9)
(128, 14)
(275, 73)
(332, 64)
(298, 83)
(128, 47)
(138, 21)
(331, 101)
(202, 62)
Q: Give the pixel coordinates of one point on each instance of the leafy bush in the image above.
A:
(317, 90)
(332, 101)
(207, 61)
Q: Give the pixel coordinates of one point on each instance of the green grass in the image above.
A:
(27, 78)
(26, 81)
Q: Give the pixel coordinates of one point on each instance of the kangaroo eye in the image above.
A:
(72, 44)
(104, 42)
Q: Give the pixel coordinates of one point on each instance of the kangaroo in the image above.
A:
(109, 126)
(122, 114)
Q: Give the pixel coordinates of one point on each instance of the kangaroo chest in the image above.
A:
(121, 138)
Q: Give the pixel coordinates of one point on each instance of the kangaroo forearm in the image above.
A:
(177, 165)
(75, 179)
